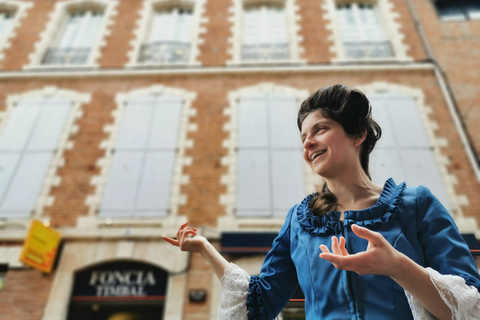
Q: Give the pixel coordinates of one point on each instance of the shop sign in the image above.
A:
(41, 246)
(120, 280)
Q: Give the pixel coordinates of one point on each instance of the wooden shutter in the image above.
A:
(29, 141)
(143, 162)
(405, 154)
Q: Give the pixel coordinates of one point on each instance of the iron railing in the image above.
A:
(368, 49)
(164, 52)
(71, 56)
(265, 52)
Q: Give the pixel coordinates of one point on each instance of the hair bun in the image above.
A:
(358, 106)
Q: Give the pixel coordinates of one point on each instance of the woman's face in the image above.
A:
(327, 149)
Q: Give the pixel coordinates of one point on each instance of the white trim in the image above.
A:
(291, 10)
(230, 221)
(54, 24)
(52, 179)
(390, 23)
(456, 201)
(47, 73)
(142, 29)
(179, 178)
(20, 9)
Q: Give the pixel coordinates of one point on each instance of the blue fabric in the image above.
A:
(411, 219)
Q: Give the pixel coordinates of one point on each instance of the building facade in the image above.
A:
(122, 119)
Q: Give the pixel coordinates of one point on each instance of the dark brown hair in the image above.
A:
(352, 110)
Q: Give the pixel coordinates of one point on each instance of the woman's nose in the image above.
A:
(308, 142)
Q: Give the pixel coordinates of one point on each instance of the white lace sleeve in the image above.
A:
(233, 299)
(462, 299)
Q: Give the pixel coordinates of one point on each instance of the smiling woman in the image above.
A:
(357, 250)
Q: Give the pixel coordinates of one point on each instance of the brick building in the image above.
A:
(122, 119)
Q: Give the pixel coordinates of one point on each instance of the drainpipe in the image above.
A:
(447, 92)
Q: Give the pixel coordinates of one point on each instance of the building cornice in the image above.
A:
(124, 72)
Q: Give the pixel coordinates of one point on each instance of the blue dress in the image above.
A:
(412, 220)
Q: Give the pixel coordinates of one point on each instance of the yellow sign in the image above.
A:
(40, 247)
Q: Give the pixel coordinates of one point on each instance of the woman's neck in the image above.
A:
(354, 191)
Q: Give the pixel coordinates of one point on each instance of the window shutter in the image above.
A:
(34, 129)
(143, 163)
(253, 185)
(270, 171)
(122, 184)
(406, 154)
(6, 19)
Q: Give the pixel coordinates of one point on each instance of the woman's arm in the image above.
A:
(381, 258)
(188, 240)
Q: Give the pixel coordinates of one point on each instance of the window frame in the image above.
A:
(57, 18)
(177, 198)
(142, 32)
(465, 14)
(44, 199)
(230, 221)
(389, 22)
(20, 9)
(290, 9)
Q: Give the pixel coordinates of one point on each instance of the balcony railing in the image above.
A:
(161, 52)
(368, 49)
(265, 52)
(70, 56)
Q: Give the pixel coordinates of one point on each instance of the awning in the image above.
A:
(247, 242)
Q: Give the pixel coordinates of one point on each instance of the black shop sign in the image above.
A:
(120, 280)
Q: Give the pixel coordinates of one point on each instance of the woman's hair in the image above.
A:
(352, 110)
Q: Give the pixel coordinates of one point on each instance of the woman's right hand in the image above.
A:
(188, 240)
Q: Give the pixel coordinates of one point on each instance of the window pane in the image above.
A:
(450, 11)
(473, 10)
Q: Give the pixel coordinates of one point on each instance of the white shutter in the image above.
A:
(143, 165)
(134, 124)
(156, 184)
(6, 19)
(27, 145)
(252, 123)
(122, 184)
(165, 128)
(90, 28)
(253, 187)
(410, 158)
(184, 26)
(27, 181)
(283, 124)
(270, 172)
(287, 180)
(50, 124)
(19, 126)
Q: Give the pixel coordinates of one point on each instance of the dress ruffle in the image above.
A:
(384, 210)
(255, 303)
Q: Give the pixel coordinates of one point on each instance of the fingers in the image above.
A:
(343, 250)
(372, 236)
(171, 241)
(324, 248)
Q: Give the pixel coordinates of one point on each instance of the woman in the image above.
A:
(357, 250)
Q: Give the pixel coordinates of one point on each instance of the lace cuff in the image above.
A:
(233, 299)
(462, 299)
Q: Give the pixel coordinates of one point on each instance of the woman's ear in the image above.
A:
(359, 138)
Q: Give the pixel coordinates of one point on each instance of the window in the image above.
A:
(140, 177)
(270, 178)
(28, 142)
(362, 32)
(403, 152)
(6, 22)
(74, 40)
(264, 36)
(170, 37)
(458, 9)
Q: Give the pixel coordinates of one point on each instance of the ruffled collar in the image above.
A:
(384, 210)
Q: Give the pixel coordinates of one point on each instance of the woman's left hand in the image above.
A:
(379, 258)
